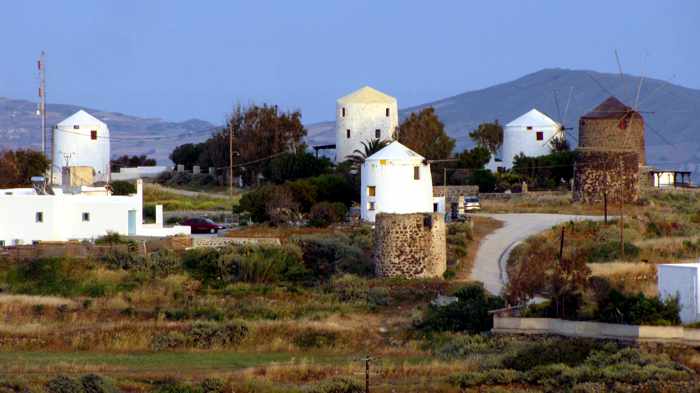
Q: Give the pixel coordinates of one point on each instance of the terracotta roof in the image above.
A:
(611, 108)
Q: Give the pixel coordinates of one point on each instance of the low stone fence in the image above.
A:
(662, 334)
(219, 242)
(515, 195)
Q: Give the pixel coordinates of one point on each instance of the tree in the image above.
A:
(291, 166)
(475, 158)
(548, 171)
(488, 135)
(484, 179)
(187, 154)
(368, 148)
(122, 187)
(126, 161)
(19, 166)
(559, 145)
(425, 134)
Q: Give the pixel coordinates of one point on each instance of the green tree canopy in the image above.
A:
(488, 135)
(17, 167)
(425, 134)
(475, 158)
(368, 148)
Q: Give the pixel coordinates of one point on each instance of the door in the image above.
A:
(132, 222)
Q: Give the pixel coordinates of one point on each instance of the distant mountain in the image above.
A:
(671, 112)
(21, 127)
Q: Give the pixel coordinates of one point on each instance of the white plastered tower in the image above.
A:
(81, 140)
(530, 134)
(395, 180)
(362, 116)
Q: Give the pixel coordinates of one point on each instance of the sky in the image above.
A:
(179, 60)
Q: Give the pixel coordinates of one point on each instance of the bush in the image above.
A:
(326, 256)
(324, 214)
(211, 334)
(167, 341)
(163, 262)
(173, 386)
(468, 314)
(255, 202)
(484, 179)
(45, 276)
(570, 352)
(292, 166)
(149, 212)
(126, 260)
(610, 251)
(308, 339)
(122, 187)
(211, 385)
(638, 309)
(254, 264)
(93, 383)
(337, 385)
(63, 384)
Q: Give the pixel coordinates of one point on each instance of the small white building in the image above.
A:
(81, 140)
(530, 134)
(395, 180)
(362, 116)
(681, 280)
(28, 216)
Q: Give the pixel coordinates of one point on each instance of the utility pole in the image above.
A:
(41, 64)
(622, 216)
(560, 305)
(367, 359)
(230, 158)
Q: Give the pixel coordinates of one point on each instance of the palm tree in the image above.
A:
(359, 156)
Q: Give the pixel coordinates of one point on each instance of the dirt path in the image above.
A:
(494, 249)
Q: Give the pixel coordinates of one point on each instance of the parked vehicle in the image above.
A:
(472, 203)
(202, 225)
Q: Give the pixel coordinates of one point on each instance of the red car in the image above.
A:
(202, 225)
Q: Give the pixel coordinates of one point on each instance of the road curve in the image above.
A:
(494, 249)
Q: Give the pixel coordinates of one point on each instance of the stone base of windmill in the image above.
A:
(410, 245)
(612, 172)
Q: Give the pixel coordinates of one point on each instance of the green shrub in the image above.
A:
(254, 264)
(308, 339)
(211, 385)
(168, 340)
(325, 256)
(45, 276)
(211, 334)
(337, 385)
(122, 187)
(93, 383)
(570, 352)
(149, 212)
(461, 346)
(468, 314)
(63, 384)
(349, 288)
(126, 260)
(638, 309)
(377, 297)
(163, 262)
(490, 377)
(324, 214)
(111, 238)
(173, 386)
(610, 251)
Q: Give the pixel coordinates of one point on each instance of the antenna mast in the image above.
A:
(41, 64)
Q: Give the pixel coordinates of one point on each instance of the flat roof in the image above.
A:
(694, 265)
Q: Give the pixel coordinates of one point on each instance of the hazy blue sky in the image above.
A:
(187, 59)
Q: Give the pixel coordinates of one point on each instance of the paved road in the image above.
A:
(494, 249)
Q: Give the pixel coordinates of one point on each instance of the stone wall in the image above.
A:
(220, 242)
(606, 171)
(547, 326)
(410, 245)
(606, 134)
(454, 194)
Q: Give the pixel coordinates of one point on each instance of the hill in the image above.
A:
(20, 127)
(671, 110)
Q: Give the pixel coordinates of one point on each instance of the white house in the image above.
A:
(395, 180)
(681, 280)
(29, 216)
(530, 134)
(81, 140)
(361, 116)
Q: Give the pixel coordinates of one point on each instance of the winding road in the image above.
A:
(494, 249)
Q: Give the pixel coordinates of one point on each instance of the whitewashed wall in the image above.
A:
(681, 280)
(362, 119)
(77, 147)
(517, 138)
(396, 191)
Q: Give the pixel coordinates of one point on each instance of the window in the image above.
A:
(377, 133)
(540, 135)
(416, 173)
(529, 128)
(76, 127)
(343, 112)
(371, 191)
(35, 242)
(435, 207)
(347, 133)
(370, 206)
(387, 112)
(93, 135)
(86, 217)
(39, 217)
(2, 243)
